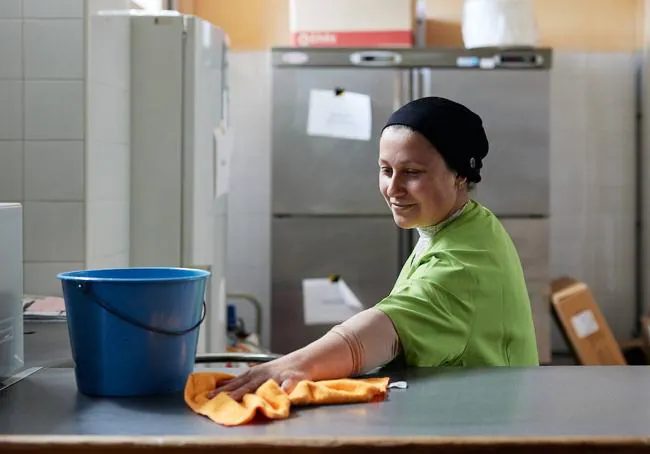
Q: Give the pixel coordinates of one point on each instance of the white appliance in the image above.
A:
(11, 289)
(180, 148)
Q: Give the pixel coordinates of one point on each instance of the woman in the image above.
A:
(461, 299)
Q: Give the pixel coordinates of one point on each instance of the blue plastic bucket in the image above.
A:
(133, 331)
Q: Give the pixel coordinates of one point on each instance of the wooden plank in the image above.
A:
(571, 298)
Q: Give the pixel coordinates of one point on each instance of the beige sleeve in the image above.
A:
(371, 338)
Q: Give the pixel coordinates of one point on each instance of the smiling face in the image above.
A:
(415, 181)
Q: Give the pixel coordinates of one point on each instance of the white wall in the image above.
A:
(249, 202)
(593, 179)
(42, 132)
(107, 142)
(49, 152)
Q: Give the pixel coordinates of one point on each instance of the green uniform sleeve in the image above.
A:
(432, 313)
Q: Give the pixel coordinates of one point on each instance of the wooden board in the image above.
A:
(584, 325)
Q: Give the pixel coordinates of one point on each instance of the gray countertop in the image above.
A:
(442, 410)
(541, 402)
(46, 344)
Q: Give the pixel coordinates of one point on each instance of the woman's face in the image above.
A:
(415, 181)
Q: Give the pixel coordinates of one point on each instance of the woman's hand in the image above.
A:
(365, 341)
(283, 372)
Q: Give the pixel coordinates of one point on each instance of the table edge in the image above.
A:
(319, 441)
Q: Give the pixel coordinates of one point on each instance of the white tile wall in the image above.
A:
(40, 277)
(54, 170)
(107, 139)
(52, 131)
(249, 201)
(54, 231)
(105, 221)
(105, 172)
(11, 42)
(108, 102)
(109, 70)
(592, 179)
(53, 9)
(11, 171)
(54, 110)
(11, 110)
(11, 9)
(54, 49)
(46, 153)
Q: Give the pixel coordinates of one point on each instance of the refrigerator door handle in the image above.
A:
(215, 165)
(375, 58)
(403, 89)
(426, 82)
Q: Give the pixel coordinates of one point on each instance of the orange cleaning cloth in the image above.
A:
(271, 401)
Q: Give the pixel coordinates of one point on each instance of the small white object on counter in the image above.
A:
(398, 385)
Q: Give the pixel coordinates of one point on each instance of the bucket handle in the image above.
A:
(86, 288)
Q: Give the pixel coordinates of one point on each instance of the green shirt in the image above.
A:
(461, 298)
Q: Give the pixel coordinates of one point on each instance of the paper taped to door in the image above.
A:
(326, 301)
(340, 114)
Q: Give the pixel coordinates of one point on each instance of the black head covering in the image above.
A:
(454, 130)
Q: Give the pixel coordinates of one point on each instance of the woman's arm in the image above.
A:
(365, 341)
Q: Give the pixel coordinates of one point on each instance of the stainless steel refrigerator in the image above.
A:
(328, 216)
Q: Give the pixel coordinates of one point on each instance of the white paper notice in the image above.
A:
(326, 302)
(346, 115)
(584, 323)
